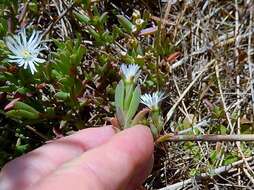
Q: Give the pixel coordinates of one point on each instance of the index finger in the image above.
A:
(30, 168)
(121, 163)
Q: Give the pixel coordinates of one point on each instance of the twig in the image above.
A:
(166, 22)
(205, 18)
(206, 138)
(59, 18)
(223, 99)
(213, 172)
(183, 104)
(237, 44)
(187, 115)
(248, 175)
(23, 12)
(222, 41)
(168, 7)
(37, 133)
(249, 58)
(59, 8)
(197, 126)
(172, 110)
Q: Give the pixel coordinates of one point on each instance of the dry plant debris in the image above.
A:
(207, 73)
(211, 92)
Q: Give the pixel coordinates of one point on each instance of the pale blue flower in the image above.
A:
(130, 72)
(153, 100)
(25, 51)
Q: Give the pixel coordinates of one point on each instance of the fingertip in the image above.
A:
(145, 130)
(137, 139)
(91, 137)
(142, 134)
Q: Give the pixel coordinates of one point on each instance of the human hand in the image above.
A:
(91, 159)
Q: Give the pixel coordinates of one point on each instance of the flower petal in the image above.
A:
(32, 67)
(23, 37)
(21, 63)
(39, 60)
(25, 64)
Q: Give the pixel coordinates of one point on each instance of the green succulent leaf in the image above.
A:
(154, 131)
(125, 23)
(119, 95)
(82, 18)
(86, 3)
(103, 18)
(10, 77)
(21, 149)
(62, 95)
(120, 116)
(94, 33)
(128, 95)
(56, 74)
(133, 107)
(23, 90)
(23, 106)
(107, 37)
(9, 88)
(140, 116)
(22, 114)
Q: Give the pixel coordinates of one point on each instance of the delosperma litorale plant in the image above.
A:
(127, 99)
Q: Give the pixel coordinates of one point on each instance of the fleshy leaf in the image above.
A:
(126, 24)
(94, 33)
(128, 96)
(22, 114)
(119, 95)
(82, 18)
(23, 106)
(103, 18)
(140, 116)
(62, 95)
(120, 116)
(154, 131)
(133, 105)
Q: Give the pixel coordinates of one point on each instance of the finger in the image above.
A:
(28, 169)
(110, 166)
(141, 174)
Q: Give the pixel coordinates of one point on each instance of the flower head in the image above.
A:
(152, 100)
(136, 14)
(139, 21)
(130, 72)
(25, 51)
(133, 28)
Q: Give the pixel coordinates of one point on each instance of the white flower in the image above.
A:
(140, 56)
(152, 100)
(123, 53)
(25, 51)
(130, 72)
(136, 14)
(139, 22)
(133, 28)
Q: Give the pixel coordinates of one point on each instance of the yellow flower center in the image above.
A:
(26, 54)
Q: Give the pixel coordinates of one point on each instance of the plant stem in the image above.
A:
(208, 138)
(59, 18)
(213, 172)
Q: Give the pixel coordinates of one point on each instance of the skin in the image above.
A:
(94, 158)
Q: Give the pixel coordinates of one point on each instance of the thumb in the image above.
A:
(122, 163)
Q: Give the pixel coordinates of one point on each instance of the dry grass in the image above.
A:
(210, 88)
(215, 71)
